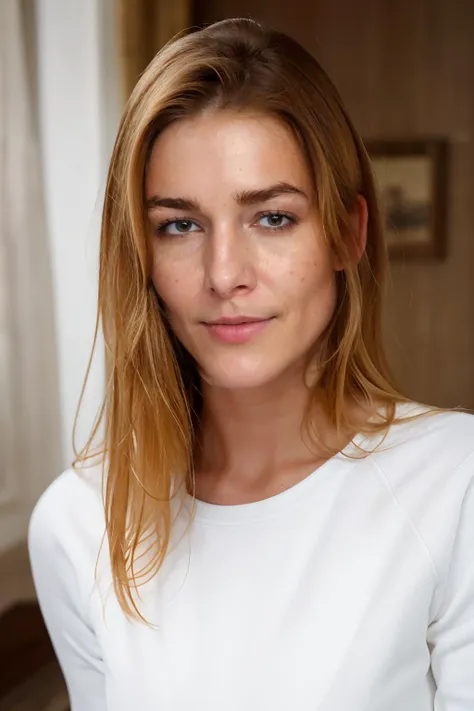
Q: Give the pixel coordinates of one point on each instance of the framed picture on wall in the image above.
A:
(412, 182)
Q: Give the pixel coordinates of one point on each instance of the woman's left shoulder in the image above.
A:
(426, 464)
(433, 432)
(427, 448)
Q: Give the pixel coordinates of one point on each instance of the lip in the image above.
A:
(236, 329)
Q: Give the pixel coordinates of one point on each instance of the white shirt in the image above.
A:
(351, 591)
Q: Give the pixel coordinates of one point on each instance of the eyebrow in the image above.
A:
(245, 197)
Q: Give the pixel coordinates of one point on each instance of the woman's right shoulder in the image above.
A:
(70, 514)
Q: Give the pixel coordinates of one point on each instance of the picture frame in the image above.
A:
(411, 177)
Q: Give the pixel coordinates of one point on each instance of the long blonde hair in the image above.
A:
(151, 405)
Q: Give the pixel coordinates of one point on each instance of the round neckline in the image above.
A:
(264, 509)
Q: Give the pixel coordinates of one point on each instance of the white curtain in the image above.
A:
(29, 411)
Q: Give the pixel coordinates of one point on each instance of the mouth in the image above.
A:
(235, 320)
(236, 329)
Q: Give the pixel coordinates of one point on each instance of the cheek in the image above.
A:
(315, 307)
(172, 284)
(313, 286)
(176, 274)
(172, 295)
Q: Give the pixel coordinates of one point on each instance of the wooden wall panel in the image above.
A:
(144, 26)
(404, 69)
(279, 14)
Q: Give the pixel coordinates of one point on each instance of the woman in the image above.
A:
(283, 530)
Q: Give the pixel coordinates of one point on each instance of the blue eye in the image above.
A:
(175, 227)
(182, 227)
(277, 220)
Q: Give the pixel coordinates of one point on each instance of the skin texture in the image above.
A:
(223, 257)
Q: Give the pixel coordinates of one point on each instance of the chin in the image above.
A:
(245, 375)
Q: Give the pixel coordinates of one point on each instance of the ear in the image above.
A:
(358, 227)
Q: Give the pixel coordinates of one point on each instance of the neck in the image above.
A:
(251, 436)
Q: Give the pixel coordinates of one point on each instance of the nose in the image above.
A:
(230, 262)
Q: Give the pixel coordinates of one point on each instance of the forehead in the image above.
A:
(225, 151)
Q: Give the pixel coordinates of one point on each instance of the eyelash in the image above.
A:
(161, 227)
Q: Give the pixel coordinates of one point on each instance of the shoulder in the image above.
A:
(425, 440)
(426, 462)
(416, 420)
(68, 520)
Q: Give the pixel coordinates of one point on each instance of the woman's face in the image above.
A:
(239, 256)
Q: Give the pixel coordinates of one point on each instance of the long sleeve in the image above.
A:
(451, 634)
(64, 610)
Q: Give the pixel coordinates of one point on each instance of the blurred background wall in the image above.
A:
(78, 110)
(61, 108)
